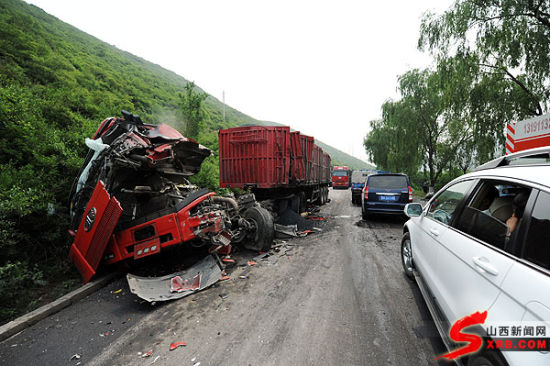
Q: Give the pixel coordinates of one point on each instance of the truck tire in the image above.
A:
(262, 238)
(326, 194)
(319, 199)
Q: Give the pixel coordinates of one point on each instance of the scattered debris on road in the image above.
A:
(318, 218)
(290, 217)
(146, 354)
(175, 345)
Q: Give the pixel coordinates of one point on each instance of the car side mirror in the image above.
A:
(413, 209)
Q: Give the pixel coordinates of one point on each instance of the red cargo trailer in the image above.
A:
(274, 162)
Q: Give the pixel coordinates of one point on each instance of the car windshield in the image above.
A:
(388, 181)
(339, 173)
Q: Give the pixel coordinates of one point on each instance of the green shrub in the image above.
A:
(15, 279)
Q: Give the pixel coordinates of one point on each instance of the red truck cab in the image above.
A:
(341, 177)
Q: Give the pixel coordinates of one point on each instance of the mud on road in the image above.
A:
(337, 297)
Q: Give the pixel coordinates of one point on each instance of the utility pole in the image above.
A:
(223, 99)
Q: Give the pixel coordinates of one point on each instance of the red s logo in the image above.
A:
(474, 341)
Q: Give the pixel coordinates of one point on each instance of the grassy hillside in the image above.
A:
(56, 84)
(341, 158)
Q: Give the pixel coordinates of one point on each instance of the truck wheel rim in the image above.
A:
(407, 255)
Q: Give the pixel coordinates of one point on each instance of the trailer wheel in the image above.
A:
(319, 199)
(322, 197)
(261, 239)
(326, 193)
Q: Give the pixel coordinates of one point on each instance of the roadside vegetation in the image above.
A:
(490, 67)
(56, 85)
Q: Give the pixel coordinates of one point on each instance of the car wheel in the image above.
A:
(406, 256)
(487, 359)
(260, 239)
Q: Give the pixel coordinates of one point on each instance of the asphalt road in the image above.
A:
(337, 297)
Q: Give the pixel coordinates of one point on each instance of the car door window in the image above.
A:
(494, 212)
(443, 206)
(537, 245)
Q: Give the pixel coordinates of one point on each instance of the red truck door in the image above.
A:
(96, 227)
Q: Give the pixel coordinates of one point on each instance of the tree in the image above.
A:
(393, 143)
(509, 38)
(424, 128)
(191, 110)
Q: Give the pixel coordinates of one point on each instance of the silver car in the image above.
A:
(482, 243)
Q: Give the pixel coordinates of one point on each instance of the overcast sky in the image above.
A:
(322, 67)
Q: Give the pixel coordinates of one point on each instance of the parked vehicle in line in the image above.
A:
(386, 193)
(482, 243)
(341, 177)
(358, 178)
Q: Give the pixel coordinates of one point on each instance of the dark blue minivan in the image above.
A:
(386, 194)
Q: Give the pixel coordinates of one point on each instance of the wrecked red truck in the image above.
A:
(132, 199)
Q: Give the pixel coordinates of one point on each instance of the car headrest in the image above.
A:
(501, 208)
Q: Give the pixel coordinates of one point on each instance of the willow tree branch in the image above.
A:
(538, 110)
